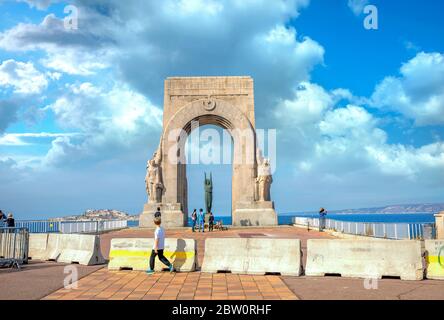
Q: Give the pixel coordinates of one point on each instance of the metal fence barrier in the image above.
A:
(84, 226)
(14, 246)
(377, 230)
(92, 226)
(39, 226)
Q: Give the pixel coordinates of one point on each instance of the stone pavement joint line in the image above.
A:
(135, 285)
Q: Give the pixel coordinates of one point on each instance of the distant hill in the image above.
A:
(400, 208)
(102, 214)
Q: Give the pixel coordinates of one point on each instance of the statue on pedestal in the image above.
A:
(208, 185)
(264, 178)
(153, 179)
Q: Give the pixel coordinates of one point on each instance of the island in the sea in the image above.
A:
(101, 214)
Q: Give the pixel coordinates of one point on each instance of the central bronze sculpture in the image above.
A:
(195, 101)
(208, 186)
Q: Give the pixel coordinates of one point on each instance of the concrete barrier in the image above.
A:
(373, 258)
(253, 256)
(80, 248)
(68, 248)
(435, 259)
(38, 246)
(135, 254)
(44, 246)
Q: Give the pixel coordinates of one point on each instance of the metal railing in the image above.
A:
(38, 226)
(14, 245)
(92, 226)
(377, 230)
(83, 226)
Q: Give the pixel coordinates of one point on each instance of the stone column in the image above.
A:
(439, 221)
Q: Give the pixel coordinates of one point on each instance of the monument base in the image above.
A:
(258, 213)
(172, 215)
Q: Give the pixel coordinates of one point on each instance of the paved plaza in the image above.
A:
(136, 285)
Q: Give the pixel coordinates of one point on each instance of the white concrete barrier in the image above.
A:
(373, 258)
(435, 259)
(68, 248)
(38, 246)
(135, 254)
(44, 246)
(253, 256)
(80, 248)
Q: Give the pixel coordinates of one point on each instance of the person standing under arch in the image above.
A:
(201, 220)
(194, 220)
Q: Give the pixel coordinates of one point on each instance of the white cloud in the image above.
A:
(190, 7)
(424, 164)
(418, 93)
(351, 119)
(308, 105)
(71, 62)
(77, 52)
(109, 120)
(337, 142)
(146, 42)
(357, 6)
(39, 4)
(23, 77)
(62, 152)
(23, 139)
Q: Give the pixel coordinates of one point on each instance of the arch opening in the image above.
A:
(213, 146)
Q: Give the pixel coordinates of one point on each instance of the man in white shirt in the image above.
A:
(159, 245)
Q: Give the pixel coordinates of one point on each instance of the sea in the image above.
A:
(286, 218)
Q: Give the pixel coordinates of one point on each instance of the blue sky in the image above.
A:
(359, 113)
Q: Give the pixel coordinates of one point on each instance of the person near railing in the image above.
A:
(10, 222)
(322, 214)
(2, 219)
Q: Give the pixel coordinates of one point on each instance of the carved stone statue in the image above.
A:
(208, 185)
(264, 178)
(153, 179)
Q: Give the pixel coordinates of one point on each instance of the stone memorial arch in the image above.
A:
(227, 102)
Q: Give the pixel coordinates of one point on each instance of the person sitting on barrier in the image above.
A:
(322, 214)
(194, 219)
(157, 214)
(210, 222)
(159, 245)
(220, 226)
(201, 218)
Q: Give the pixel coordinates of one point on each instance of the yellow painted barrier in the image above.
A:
(435, 259)
(127, 253)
